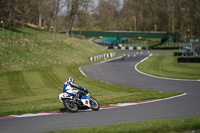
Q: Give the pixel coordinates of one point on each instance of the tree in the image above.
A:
(106, 15)
(8, 12)
(23, 9)
(131, 15)
(72, 8)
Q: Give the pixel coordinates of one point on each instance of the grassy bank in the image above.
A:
(157, 126)
(27, 35)
(32, 76)
(164, 64)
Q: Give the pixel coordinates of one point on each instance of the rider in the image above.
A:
(68, 87)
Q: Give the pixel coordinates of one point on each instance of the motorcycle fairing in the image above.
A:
(85, 100)
(64, 95)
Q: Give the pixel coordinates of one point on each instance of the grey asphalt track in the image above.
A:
(118, 72)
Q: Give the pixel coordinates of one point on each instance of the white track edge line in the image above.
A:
(82, 72)
(131, 104)
(116, 106)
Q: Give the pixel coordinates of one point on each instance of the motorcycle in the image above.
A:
(82, 101)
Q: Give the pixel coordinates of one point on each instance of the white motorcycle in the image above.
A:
(84, 101)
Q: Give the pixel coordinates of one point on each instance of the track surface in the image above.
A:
(118, 72)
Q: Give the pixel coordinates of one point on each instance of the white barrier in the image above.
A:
(102, 56)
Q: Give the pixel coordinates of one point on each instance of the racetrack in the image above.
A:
(118, 72)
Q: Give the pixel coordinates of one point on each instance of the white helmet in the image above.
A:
(69, 79)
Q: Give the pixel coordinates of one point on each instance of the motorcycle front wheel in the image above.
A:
(94, 104)
(70, 105)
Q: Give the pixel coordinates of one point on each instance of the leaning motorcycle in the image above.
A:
(84, 101)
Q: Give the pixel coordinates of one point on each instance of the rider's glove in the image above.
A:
(86, 91)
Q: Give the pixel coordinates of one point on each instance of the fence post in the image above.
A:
(13, 39)
(8, 37)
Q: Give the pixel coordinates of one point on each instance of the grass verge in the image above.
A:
(156, 126)
(32, 76)
(164, 64)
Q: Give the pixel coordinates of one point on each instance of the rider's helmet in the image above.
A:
(70, 79)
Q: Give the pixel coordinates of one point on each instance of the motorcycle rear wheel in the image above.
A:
(71, 106)
(94, 104)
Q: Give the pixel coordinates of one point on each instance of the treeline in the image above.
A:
(175, 16)
(42, 13)
(181, 16)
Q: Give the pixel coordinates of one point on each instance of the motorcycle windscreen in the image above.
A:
(85, 100)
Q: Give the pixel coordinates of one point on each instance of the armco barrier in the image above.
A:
(178, 53)
(188, 60)
(164, 48)
(102, 56)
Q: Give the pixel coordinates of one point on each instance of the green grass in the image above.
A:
(21, 31)
(27, 35)
(29, 29)
(156, 126)
(164, 64)
(32, 76)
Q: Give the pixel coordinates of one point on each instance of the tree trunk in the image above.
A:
(10, 20)
(69, 26)
(44, 24)
(50, 26)
(67, 31)
(22, 22)
(70, 17)
(135, 23)
(173, 29)
(155, 27)
(40, 19)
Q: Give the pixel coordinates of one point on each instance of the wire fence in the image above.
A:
(191, 49)
(15, 38)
